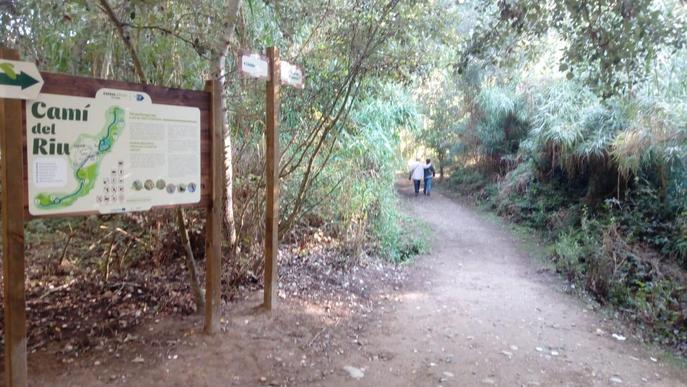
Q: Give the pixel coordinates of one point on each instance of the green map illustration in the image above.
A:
(87, 153)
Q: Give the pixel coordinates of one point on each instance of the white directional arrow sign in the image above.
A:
(255, 65)
(291, 75)
(19, 80)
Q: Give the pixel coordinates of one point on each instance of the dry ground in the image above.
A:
(477, 310)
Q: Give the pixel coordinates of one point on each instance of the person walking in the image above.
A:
(428, 175)
(416, 174)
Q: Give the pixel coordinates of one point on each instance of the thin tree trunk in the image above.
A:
(198, 296)
(126, 39)
(109, 257)
(66, 246)
(441, 166)
(219, 72)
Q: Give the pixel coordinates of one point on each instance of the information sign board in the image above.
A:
(117, 152)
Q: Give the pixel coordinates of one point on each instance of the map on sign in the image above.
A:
(117, 152)
(88, 152)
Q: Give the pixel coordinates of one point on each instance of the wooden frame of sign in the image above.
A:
(15, 200)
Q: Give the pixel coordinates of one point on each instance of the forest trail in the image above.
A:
(478, 311)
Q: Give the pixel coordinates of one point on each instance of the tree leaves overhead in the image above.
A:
(501, 31)
(612, 43)
(608, 44)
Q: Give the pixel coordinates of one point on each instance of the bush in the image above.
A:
(467, 180)
(357, 192)
(596, 256)
(406, 242)
(645, 219)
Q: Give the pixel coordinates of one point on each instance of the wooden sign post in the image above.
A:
(272, 177)
(201, 120)
(276, 72)
(213, 225)
(11, 133)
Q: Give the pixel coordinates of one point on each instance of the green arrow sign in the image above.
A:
(19, 80)
(23, 79)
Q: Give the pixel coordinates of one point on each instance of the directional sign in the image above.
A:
(292, 75)
(255, 65)
(20, 80)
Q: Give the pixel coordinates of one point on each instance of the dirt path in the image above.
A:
(478, 312)
(475, 311)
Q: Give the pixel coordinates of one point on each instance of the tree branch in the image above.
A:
(125, 39)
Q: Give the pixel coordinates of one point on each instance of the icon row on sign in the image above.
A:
(109, 198)
(161, 184)
(107, 181)
(109, 190)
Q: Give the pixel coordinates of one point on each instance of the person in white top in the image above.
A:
(417, 174)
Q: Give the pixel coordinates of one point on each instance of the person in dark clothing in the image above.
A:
(429, 174)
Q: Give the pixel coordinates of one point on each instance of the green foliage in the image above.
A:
(652, 139)
(611, 43)
(502, 123)
(467, 180)
(644, 218)
(657, 304)
(526, 200)
(362, 175)
(557, 134)
(499, 27)
(441, 110)
(596, 256)
(578, 250)
(402, 238)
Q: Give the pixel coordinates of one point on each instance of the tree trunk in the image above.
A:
(220, 73)
(198, 296)
(441, 167)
